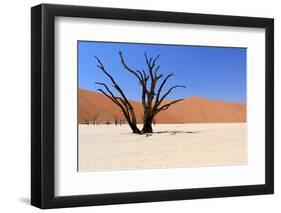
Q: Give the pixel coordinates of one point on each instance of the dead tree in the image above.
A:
(95, 118)
(87, 121)
(152, 95)
(115, 120)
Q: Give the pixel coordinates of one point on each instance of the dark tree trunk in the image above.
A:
(134, 128)
(147, 128)
(147, 125)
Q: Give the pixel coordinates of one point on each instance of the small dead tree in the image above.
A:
(95, 118)
(152, 96)
(115, 120)
(87, 121)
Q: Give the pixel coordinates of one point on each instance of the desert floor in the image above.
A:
(103, 147)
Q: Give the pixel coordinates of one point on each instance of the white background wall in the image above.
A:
(15, 105)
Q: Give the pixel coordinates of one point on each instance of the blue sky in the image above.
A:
(211, 72)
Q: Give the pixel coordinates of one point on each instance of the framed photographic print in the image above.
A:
(139, 106)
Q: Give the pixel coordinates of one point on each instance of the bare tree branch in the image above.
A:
(125, 101)
(113, 81)
(166, 106)
(111, 98)
(155, 72)
(155, 59)
(135, 73)
(106, 87)
(148, 62)
(140, 73)
(169, 91)
(161, 87)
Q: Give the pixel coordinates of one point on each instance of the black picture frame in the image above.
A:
(43, 100)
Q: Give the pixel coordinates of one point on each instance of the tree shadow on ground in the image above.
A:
(173, 132)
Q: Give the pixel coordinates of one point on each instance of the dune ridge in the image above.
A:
(95, 106)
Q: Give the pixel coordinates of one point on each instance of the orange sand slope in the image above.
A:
(96, 106)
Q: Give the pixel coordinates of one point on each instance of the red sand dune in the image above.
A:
(96, 106)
